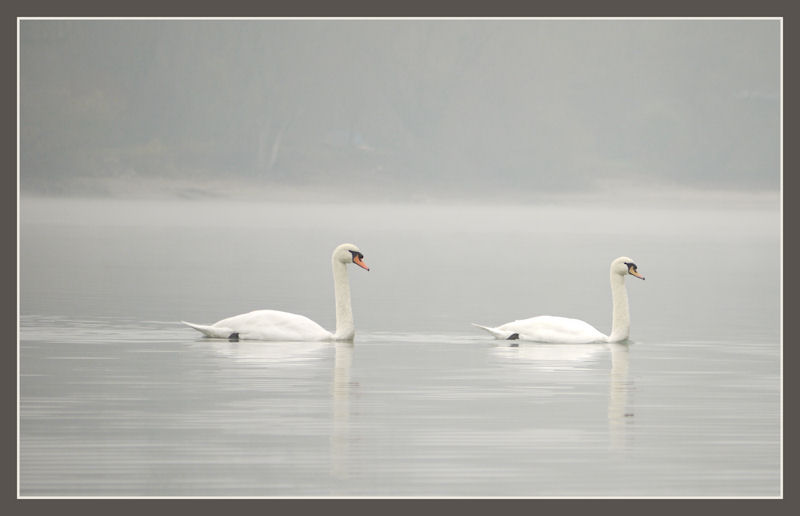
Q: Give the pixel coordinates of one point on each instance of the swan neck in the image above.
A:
(345, 329)
(620, 318)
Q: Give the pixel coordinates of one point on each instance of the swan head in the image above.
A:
(623, 266)
(349, 253)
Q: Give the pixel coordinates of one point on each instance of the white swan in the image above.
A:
(284, 326)
(546, 328)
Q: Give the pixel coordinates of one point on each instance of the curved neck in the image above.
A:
(621, 317)
(345, 330)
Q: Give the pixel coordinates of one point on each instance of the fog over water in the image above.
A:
(489, 170)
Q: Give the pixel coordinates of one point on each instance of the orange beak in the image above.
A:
(363, 265)
(634, 273)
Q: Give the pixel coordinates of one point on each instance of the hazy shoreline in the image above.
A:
(124, 189)
(699, 217)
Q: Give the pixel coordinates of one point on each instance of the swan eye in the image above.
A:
(631, 265)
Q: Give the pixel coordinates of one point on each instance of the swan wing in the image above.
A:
(211, 331)
(547, 328)
(266, 325)
(497, 333)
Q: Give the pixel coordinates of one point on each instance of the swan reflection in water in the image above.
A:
(252, 358)
(340, 390)
(255, 353)
(551, 358)
(620, 415)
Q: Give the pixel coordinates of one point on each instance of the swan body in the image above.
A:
(266, 325)
(546, 328)
(275, 325)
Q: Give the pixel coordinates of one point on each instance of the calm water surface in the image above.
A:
(117, 399)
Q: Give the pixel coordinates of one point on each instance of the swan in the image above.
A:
(284, 326)
(546, 328)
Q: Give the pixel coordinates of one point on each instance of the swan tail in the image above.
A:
(498, 334)
(212, 331)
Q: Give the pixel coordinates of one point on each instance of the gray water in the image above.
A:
(118, 399)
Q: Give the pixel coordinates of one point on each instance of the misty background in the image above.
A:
(406, 109)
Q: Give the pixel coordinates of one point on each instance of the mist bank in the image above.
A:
(700, 215)
(504, 191)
